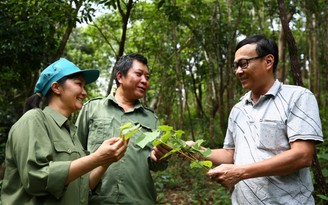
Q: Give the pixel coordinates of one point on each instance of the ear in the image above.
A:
(119, 77)
(55, 87)
(269, 59)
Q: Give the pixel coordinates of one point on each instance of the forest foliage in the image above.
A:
(190, 47)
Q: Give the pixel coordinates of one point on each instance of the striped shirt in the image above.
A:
(258, 131)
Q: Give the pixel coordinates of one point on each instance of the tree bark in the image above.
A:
(125, 20)
(282, 71)
(295, 66)
(296, 73)
(179, 74)
(70, 25)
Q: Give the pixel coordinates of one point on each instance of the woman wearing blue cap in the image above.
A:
(45, 162)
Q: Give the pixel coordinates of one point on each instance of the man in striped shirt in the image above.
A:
(271, 135)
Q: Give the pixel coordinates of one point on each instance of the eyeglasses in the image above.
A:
(243, 63)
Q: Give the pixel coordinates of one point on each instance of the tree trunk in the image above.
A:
(295, 66)
(210, 97)
(296, 73)
(70, 25)
(179, 84)
(125, 20)
(282, 70)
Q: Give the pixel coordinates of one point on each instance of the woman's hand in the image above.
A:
(110, 151)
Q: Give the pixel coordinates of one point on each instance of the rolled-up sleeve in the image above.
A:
(58, 172)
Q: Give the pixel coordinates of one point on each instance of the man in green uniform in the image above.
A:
(128, 181)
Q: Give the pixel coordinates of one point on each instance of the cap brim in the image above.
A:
(90, 75)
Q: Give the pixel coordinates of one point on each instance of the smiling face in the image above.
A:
(74, 93)
(136, 82)
(258, 75)
(68, 95)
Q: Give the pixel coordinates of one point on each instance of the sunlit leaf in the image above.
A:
(157, 142)
(130, 129)
(146, 138)
(165, 128)
(166, 136)
(179, 133)
(195, 164)
(181, 143)
(206, 153)
(208, 164)
(130, 134)
(171, 152)
(198, 144)
(126, 125)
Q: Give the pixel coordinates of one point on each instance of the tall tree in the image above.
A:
(125, 9)
(29, 38)
(295, 66)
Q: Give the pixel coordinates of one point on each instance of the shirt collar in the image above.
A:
(272, 92)
(58, 118)
(137, 105)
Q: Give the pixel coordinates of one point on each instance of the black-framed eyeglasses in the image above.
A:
(243, 63)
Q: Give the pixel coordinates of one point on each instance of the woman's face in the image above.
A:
(73, 93)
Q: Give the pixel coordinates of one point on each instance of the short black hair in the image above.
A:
(125, 63)
(264, 46)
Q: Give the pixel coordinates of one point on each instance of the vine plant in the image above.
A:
(171, 138)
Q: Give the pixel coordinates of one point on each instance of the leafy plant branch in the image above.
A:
(171, 138)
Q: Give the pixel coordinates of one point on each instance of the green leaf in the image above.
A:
(130, 134)
(179, 133)
(164, 128)
(171, 152)
(208, 164)
(147, 137)
(157, 142)
(198, 144)
(126, 125)
(206, 153)
(127, 130)
(323, 197)
(181, 143)
(165, 137)
(195, 164)
(323, 156)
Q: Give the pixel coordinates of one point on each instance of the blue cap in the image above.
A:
(59, 69)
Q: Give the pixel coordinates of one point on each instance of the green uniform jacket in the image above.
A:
(39, 151)
(129, 180)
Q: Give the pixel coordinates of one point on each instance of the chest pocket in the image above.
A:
(65, 151)
(272, 136)
(101, 129)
